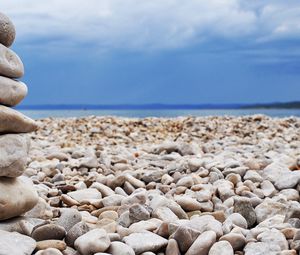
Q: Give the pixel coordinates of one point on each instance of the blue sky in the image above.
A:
(171, 51)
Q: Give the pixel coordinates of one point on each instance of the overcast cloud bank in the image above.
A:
(155, 24)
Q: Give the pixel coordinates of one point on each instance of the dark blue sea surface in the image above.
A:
(38, 114)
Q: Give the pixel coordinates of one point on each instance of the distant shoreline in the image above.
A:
(288, 105)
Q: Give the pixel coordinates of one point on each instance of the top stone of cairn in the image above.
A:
(12, 91)
(7, 31)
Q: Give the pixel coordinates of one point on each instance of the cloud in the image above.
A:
(155, 24)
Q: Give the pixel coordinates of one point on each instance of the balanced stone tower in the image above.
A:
(17, 194)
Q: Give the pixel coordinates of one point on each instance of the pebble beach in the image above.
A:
(212, 185)
(143, 186)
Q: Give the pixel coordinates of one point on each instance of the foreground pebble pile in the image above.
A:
(215, 185)
(17, 194)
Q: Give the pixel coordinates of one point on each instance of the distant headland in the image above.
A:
(280, 105)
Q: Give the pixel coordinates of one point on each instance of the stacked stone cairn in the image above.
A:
(17, 193)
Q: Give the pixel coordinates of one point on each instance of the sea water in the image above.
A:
(38, 114)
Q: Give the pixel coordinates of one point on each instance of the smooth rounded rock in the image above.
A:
(76, 231)
(10, 64)
(57, 244)
(49, 251)
(92, 242)
(108, 225)
(12, 91)
(165, 214)
(161, 201)
(17, 196)
(69, 218)
(185, 237)
(85, 195)
(288, 180)
(149, 225)
(12, 121)
(202, 244)
(16, 244)
(105, 190)
(112, 200)
(7, 31)
(14, 150)
(145, 241)
(48, 232)
(206, 223)
(236, 240)
(70, 251)
(109, 215)
(275, 171)
(260, 248)
(188, 203)
(236, 219)
(269, 208)
(274, 236)
(119, 248)
(172, 248)
(221, 248)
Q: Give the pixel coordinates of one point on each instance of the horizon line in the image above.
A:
(158, 106)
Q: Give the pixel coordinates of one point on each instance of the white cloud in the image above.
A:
(152, 24)
(281, 21)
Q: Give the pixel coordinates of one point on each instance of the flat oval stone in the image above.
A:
(12, 92)
(145, 241)
(12, 121)
(17, 196)
(14, 150)
(10, 63)
(48, 232)
(7, 31)
(86, 194)
(46, 244)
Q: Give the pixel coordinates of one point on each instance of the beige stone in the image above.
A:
(12, 91)
(49, 251)
(17, 196)
(10, 64)
(92, 242)
(202, 244)
(185, 237)
(13, 154)
(145, 241)
(56, 244)
(15, 243)
(221, 248)
(7, 31)
(172, 248)
(12, 121)
(119, 248)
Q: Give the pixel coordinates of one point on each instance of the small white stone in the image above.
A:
(145, 241)
(92, 242)
(221, 248)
